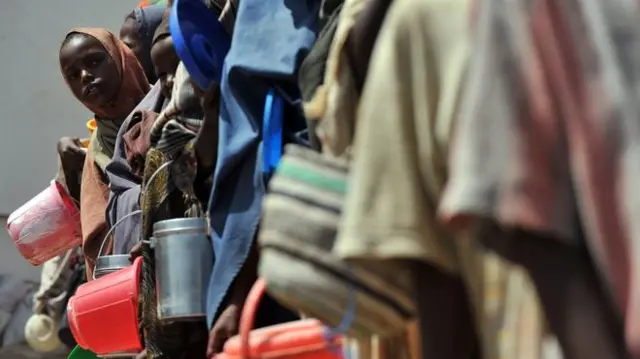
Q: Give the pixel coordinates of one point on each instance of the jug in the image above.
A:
(103, 313)
(46, 226)
(302, 339)
(184, 260)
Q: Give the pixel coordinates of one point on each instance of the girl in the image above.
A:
(105, 76)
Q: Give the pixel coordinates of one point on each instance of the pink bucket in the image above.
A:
(46, 226)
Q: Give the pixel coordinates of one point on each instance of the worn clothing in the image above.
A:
(124, 184)
(269, 38)
(403, 131)
(94, 194)
(548, 138)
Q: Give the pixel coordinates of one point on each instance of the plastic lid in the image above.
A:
(200, 41)
(272, 131)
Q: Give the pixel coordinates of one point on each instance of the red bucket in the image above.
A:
(46, 226)
(302, 339)
(103, 314)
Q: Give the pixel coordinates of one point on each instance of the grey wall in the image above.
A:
(36, 109)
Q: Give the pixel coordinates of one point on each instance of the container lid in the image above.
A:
(200, 41)
(180, 224)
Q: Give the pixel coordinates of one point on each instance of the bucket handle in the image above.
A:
(252, 302)
(151, 179)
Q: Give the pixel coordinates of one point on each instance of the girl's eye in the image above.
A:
(94, 60)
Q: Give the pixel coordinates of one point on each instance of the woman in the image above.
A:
(103, 74)
(137, 33)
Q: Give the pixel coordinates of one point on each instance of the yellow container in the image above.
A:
(91, 126)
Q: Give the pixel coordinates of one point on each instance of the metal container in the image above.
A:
(110, 264)
(184, 260)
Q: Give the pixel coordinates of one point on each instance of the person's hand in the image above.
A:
(224, 328)
(71, 153)
(135, 252)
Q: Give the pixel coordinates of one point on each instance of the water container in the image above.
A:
(103, 313)
(110, 264)
(302, 339)
(46, 226)
(184, 260)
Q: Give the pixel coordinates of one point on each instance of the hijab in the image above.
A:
(162, 30)
(133, 87)
(147, 20)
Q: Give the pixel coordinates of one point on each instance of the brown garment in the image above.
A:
(137, 140)
(94, 194)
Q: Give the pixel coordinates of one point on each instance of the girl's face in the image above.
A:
(89, 70)
(165, 62)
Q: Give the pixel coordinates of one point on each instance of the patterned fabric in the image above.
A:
(172, 139)
(298, 231)
(549, 132)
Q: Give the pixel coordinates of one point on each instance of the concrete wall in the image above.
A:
(36, 108)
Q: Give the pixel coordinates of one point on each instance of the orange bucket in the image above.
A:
(103, 313)
(91, 126)
(302, 339)
(46, 226)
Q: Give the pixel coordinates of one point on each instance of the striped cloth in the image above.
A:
(300, 218)
(549, 132)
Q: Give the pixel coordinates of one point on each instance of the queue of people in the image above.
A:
(404, 178)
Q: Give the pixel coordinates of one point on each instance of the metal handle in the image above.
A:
(113, 227)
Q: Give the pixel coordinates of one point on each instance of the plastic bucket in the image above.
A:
(302, 339)
(103, 314)
(46, 226)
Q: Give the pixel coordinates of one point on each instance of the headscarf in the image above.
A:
(147, 20)
(162, 30)
(133, 87)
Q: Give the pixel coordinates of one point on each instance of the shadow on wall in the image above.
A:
(11, 262)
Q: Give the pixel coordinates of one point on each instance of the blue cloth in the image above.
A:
(269, 41)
